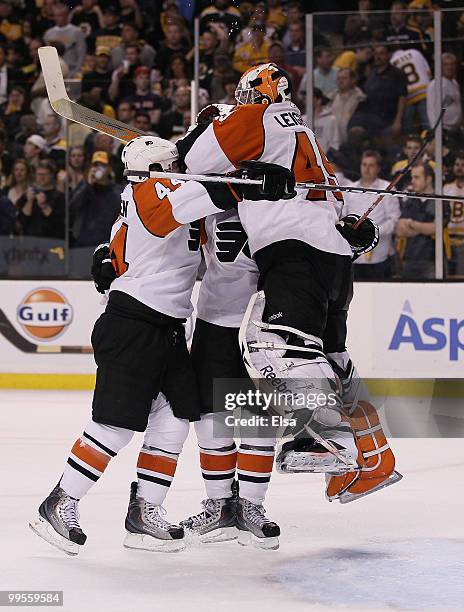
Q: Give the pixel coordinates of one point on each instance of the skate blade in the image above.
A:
(346, 497)
(246, 538)
(143, 541)
(320, 463)
(225, 534)
(45, 531)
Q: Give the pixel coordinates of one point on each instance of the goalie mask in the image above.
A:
(148, 153)
(263, 84)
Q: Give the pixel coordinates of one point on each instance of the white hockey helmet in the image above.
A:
(264, 84)
(143, 152)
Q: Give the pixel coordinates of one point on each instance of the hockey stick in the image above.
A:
(9, 332)
(211, 178)
(403, 172)
(63, 106)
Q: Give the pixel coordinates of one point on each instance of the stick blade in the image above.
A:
(53, 76)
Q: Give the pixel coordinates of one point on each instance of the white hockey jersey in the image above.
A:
(417, 71)
(275, 133)
(155, 243)
(231, 275)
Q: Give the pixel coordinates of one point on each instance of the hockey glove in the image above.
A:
(102, 270)
(278, 183)
(362, 239)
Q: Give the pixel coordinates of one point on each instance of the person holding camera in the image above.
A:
(95, 204)
(41, 209)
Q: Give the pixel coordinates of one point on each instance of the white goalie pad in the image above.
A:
(302, 387)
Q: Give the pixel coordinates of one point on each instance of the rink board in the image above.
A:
(396, 330)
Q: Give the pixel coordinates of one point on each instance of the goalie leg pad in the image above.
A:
(374, 454)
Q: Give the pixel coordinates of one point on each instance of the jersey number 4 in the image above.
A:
(310, 166)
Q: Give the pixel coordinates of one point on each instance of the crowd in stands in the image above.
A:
(374, 103)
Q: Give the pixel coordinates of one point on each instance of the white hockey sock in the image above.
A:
(254, 468)
(218, 458)
(164, 438)
(90, 455)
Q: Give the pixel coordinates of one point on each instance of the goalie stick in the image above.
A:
(211, 178)
(23, 344)
(63, 106)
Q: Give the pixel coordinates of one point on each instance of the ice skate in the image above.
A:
(333, 451)
(216, 522)
(58, 522)
(146, 529)
(255, 529)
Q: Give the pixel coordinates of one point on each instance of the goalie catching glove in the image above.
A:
(102, 270)
(278, 183)
(362, 239)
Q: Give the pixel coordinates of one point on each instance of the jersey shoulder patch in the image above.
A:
(241, 134)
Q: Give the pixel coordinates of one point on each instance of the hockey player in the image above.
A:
(140, 349)
(303, 259)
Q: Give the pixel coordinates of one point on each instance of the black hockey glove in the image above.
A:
(102, 270)
(278, 183)
(362, 239)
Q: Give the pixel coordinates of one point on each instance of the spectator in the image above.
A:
(276, 56)
(44, 20)
(41, 208)
(142, 122)
(224, 13)
(176, 75)
(122, 84)
(417, 225)
(20, 181)
(34, 149)
(405, 36)
(15, 107)
(386, 89)
(252, 53)
(76, 168)
(456, 225)
(259, 16)
(7, 216)
(88, 16)
(172, 121)
(101, 75)
(130, 13)
(9, 77)
(68, 35)
(295, 50)
(345, 100)
(325, 124)
(357, 60)
(230, 85)
(362, 24)
(104, 142)
(125, 112)
(6, 159)
(95, 204)
(325, 76)
(223, 72)
(130, 36)
(172, 44)
(10, 25)
(417, 73)
(378, 263)
(109, 35)
(56, 145)
(143, 99)
(276, 17)
(410, 150)
(451, 95)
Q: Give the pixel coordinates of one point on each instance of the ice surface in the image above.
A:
(401, 548)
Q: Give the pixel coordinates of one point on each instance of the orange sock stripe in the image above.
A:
(157, 463)
(90, 455)
(218, 463)
(255, 463)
